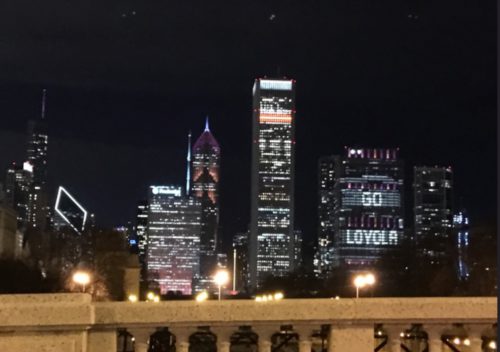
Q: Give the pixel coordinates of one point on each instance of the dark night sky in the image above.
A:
(124, 89)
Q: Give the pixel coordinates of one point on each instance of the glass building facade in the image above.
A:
(205, 187)
(18, 183)
(141, 225)
(368, 206)
(272, 180)
(433, 212)
(461, 226)
(326, 205)
(37, 156)
(173, 235)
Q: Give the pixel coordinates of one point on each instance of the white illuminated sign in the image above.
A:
(371, 199)
(167, 190)
(371, 237)
(275, 84)
(56, 208)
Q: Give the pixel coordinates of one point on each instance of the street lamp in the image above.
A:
(221, 278)
(202, 296)
(81, 278)
(361, 281)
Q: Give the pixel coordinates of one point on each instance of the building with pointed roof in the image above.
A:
(205, 176)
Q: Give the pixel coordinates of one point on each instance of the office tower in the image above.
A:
(37, 156)
(272, 181)
(240, 256)
(18, 183)
(71, 241)
(326, 205)
(368, 214)
(297, 252)
(141, 225)
(205, 187)
(433, 212)
(173, 233)
(461, 227)
(69, 213)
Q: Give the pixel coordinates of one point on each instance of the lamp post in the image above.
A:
(361, 281)
(81, 278)
(221, 278)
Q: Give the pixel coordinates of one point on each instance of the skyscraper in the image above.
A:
(141, 225)
(37, 156)
(205, 187)
(368, 214)
(326, 205)
(461, 225)
(173, 249)
(272, 182)
(18, 183)
(433, 212)
(240, 255)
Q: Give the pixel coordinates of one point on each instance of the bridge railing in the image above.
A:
(72, 322)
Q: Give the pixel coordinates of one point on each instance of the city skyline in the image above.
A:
(368, 75)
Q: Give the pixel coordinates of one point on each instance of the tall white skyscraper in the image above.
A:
(272, 184)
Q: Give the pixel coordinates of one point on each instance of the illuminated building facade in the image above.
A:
(72, 242)
(205, 187)
(141, 226)
(69, 213)
(18, 183)
(37, 156)
(173, 234)
(368, 212)
(433, 212)
(326, 205)
(272, 183)
(240, 249)
(461, 226)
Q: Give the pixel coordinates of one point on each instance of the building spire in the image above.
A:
(207, 127)
(44, 97)
(188, 168)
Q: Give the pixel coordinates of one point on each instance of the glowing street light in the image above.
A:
(221, 278)
(132, 298)
(361, 281)
(81, 278)
(202, 296)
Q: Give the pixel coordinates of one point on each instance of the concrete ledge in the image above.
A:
(246, 312)
(44, 311)
(76, 311)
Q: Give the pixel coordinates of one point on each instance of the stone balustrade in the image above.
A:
(71, 322)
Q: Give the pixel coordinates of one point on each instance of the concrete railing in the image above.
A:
(71, 322)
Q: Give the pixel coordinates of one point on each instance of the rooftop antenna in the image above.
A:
(44, 97)
(207, 127)
(188, 167)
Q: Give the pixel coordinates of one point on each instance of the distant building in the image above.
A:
(72, 242)
(461, 228)
(8, 235)
(205, 187)
(173, 232)
(240, 248)
(18, 183)
(272, 183)
(433, 212)
(369, 211)
(326, 205)
(69, 212)
(297, 253)
(141, 225)
(37, 156)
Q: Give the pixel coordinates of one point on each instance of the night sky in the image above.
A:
(128, 79)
